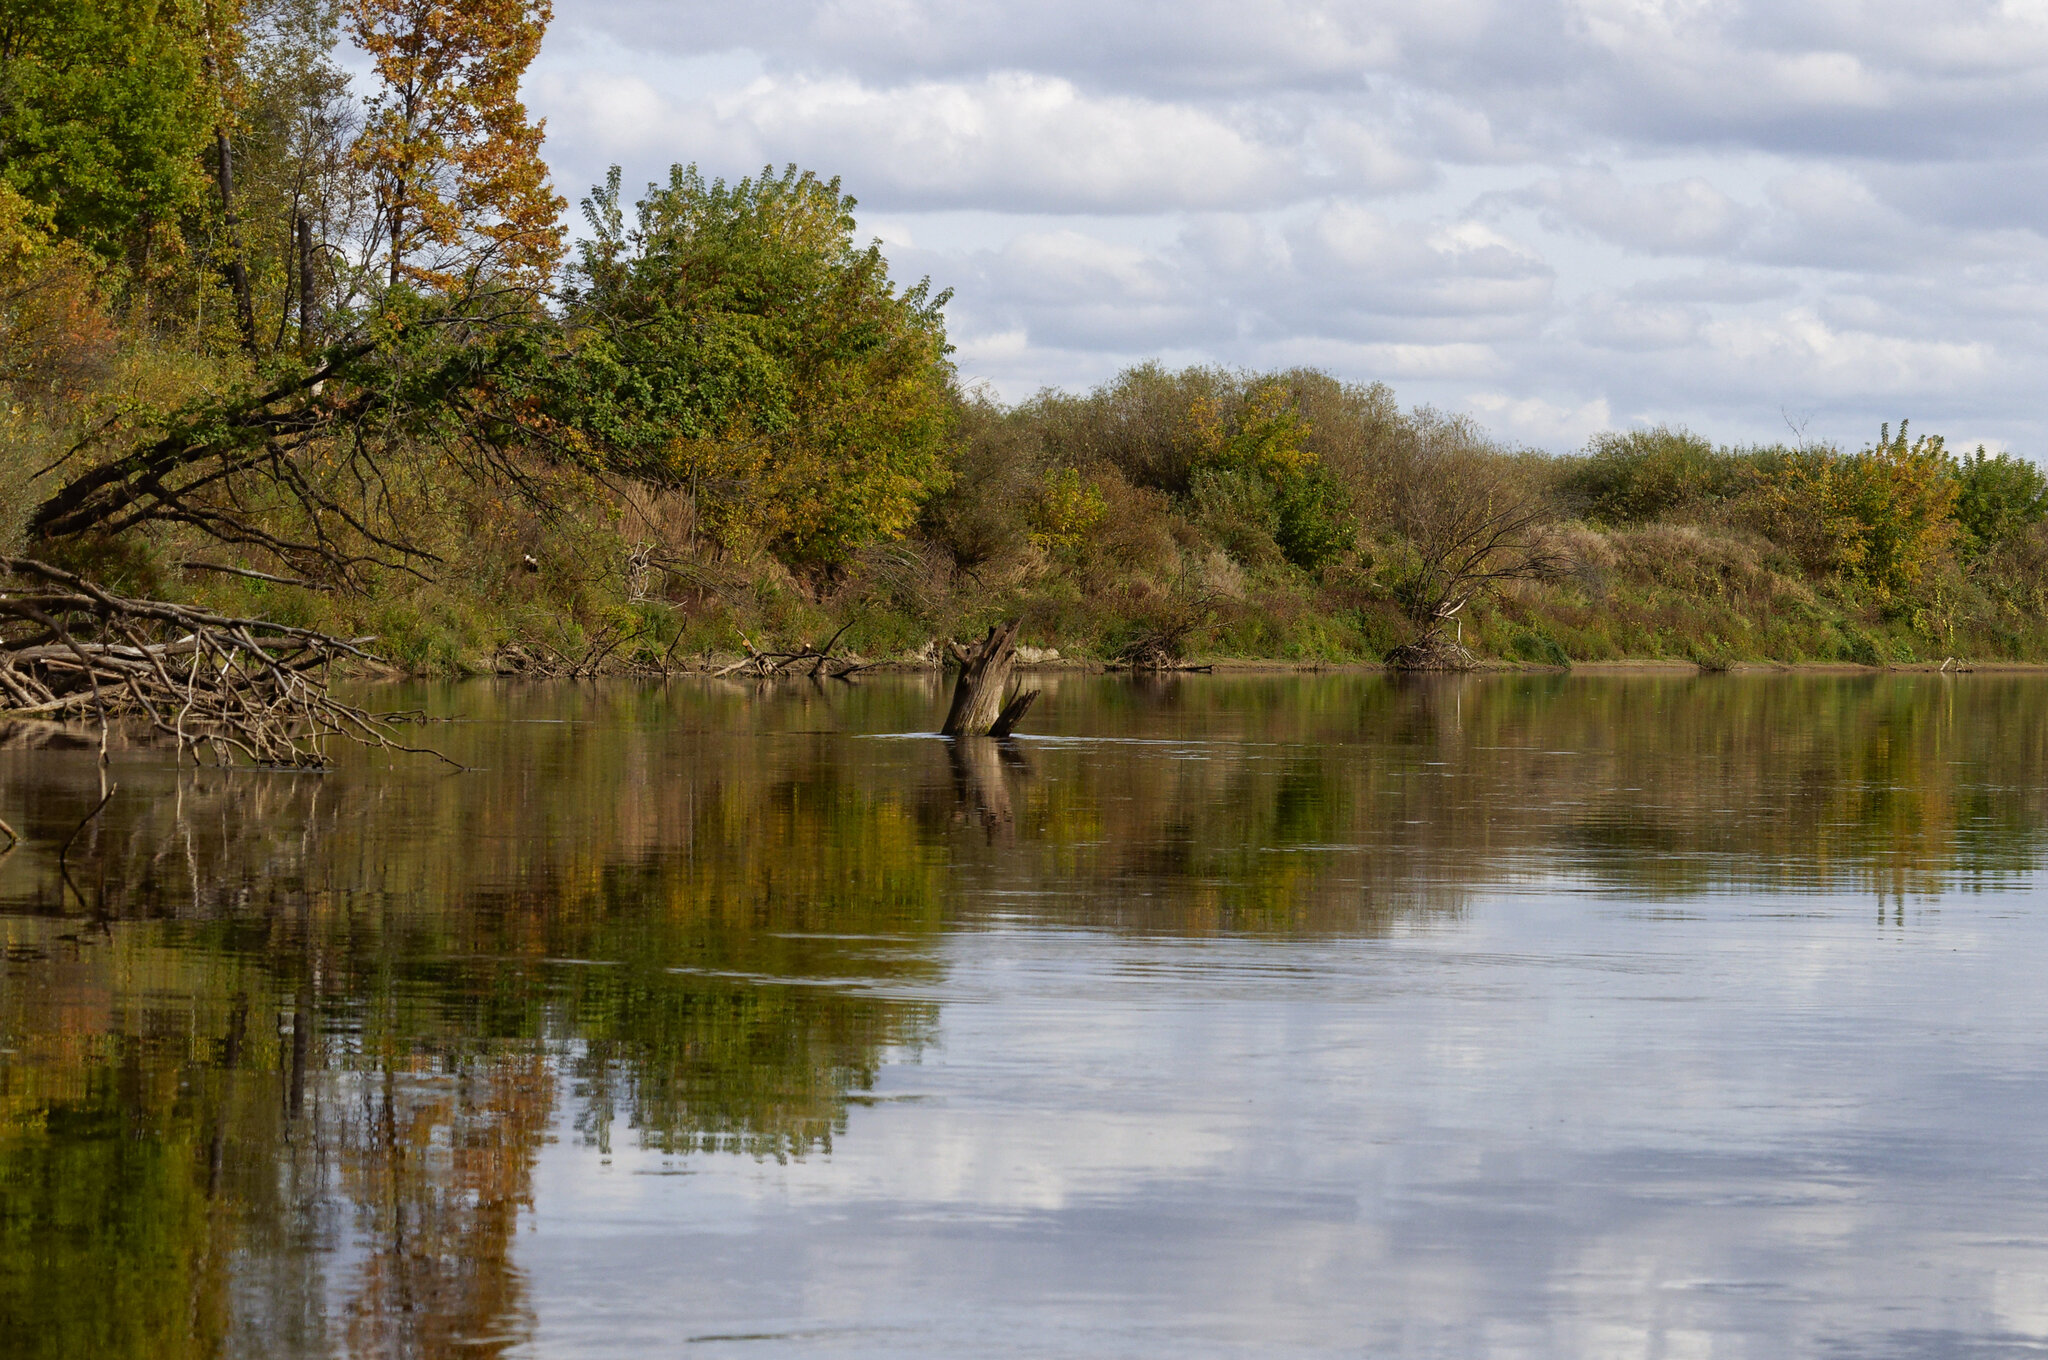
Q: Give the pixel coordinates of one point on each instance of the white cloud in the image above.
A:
(1611, 322)
(1705, 209)
(1016, 140)
(1801, 349)
(1368, 159)
(1688, 216)
(1452, 361)
(1536, 421)
(1012, 140)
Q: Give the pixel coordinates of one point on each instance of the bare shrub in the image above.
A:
(911, 576)
(1149, 424)
(1356, 430)
(1135, 536)
(1473, 519)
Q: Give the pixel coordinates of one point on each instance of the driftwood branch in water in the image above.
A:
(238, 688)
(1013, 713)
(985, 668)
(819, 660)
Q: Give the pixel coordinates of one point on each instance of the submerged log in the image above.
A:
(985, 668)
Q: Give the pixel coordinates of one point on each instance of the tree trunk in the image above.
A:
(238, 269)
(978, 692)
(309, 319)
(397, 231)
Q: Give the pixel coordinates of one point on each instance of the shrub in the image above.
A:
(1256, 477)
(1641, 475)
(1064, 510)
(1235, 507)
(1146, 424)
(1998, 500)
(1882, 517)
(980, 516)
(1316, 525)
(1135, 537)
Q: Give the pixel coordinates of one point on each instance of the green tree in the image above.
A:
(299, 191)
(104, 111)
(738, 342)
(1998, 499)
(1254, 472)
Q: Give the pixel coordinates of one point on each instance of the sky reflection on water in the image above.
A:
(1516, 1016)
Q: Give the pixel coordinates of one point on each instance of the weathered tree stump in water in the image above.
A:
(978, 692)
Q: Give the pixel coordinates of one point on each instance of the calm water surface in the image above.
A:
(1526, 1016)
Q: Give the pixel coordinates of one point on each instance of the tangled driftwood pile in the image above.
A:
(806, 660)
(1431, 652)
(234, 688)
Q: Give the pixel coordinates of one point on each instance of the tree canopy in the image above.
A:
(105, 109)
(456, 163)
(737, 341)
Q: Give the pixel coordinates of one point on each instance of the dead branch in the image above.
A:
(240, 689)
(761, 665)
(254, 575)
(1163, 646)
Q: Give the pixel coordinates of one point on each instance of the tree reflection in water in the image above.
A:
(278, 1086)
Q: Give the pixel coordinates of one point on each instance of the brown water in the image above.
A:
(1282, 1016)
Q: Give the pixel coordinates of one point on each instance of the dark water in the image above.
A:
(1571, 1017)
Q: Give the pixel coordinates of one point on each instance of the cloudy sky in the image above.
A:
(1559, 216)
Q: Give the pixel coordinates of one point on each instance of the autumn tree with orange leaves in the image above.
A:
(461, 188)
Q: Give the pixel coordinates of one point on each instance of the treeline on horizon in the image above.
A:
(280, 350)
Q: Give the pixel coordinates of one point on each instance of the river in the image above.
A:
(1532, 1016)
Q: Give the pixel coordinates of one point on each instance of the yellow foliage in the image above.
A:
(1066, 509)
(456, 161)
(1267, 435)
(1882, 517)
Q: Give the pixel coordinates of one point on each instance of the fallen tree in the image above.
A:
(300, 468)
(772, 665)
(237, 688)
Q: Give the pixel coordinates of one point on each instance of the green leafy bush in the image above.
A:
(1641, 475)
(1998, 499)
(736, 341)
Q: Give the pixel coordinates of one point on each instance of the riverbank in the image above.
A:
(593, 591)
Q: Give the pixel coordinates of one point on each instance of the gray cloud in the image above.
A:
(1930, 78)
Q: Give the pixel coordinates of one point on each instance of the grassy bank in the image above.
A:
(1162, 511)
(619, 580)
